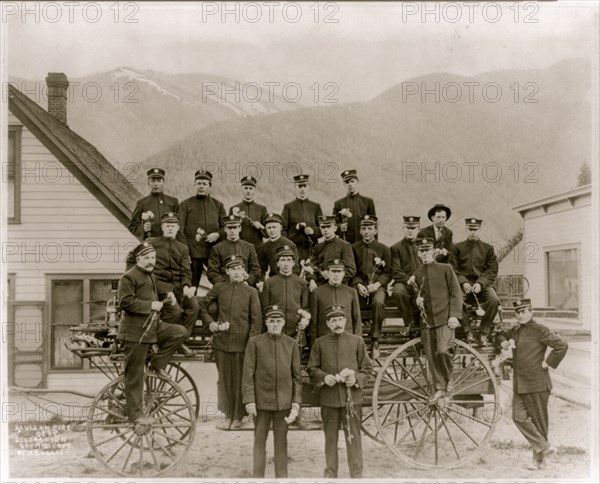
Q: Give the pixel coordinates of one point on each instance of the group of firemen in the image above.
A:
(284, 283)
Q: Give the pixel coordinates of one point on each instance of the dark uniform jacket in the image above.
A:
(239, 304)
(364, 255)
(475, 261)
(405, 260)
(257, 213)
(289, 292)
(272, 377)
(444, 242)
(158, 204)
(335, 248)
(331, 354)
(298, 211)
(206, 213)
(358, 206)
(329, 295)
(172, 269)
(220, 252)
(136, 292)
(531, 341)
(441, 291)
(267, 256)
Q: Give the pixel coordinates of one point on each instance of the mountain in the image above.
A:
(130, 114)
(519, 136)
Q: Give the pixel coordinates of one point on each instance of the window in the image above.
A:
(11, 175)
(563, 278)
(75, 300)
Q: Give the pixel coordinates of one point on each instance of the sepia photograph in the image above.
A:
(299, 241)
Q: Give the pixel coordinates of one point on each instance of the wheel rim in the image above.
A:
(138, 450)
(445, 434)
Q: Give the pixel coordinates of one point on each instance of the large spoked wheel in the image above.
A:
(442, 434)
(141, 450)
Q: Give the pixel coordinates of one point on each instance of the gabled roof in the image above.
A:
(82, 159)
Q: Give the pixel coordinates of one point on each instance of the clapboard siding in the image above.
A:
(562, 226)
(57, 211)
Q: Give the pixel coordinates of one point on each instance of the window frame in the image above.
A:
(86, 278)
(16, 131)
(556, 248)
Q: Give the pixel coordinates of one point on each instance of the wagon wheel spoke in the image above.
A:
(471, 417)
(130, 452)
(413, 427)
(422, 439)
(120, 447)
(461, 427)
(406, 389)
(451, 439)
(151, 447)
(119, 435)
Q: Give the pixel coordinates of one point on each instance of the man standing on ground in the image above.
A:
(272, 386)
(339, 363)
(531, 379)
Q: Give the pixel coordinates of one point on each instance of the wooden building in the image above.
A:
(68, 210)
(558, 261)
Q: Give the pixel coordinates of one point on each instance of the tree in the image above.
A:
(584, 177)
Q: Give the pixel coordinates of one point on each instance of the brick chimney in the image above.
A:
(57, 95)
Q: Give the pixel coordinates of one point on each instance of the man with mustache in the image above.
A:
(339, 361)
(140, 327)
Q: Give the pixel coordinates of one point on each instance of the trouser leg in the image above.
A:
(135, 361)
(197, 268)
(169, 337)
(377, 311)
(530, 415)
(488, 299)
(229, 368)
(466, 317)
(191, 309)
(354, 443)
(444, 338)
(429, 346)
(261, 431)
(331, 427)
(280, 430)
(170, 313)
(403, 297)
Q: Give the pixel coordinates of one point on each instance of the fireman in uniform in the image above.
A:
(301, 218)
(267, 252)
(201, 219)
(357, 205)
(253, 214)
(373, 274)
(157, 204)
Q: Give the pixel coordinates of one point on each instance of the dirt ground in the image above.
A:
(228, 454)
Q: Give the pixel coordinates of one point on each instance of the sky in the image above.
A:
(364, 48)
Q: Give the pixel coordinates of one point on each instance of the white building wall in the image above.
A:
(561, 227)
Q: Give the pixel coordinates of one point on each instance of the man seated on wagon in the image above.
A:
(173, 277)
(239, 317)
(373, 262)
(233, 245)
(334, 293)
(476, 267)
(439, 298)
(140, 327)
(332, 247)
